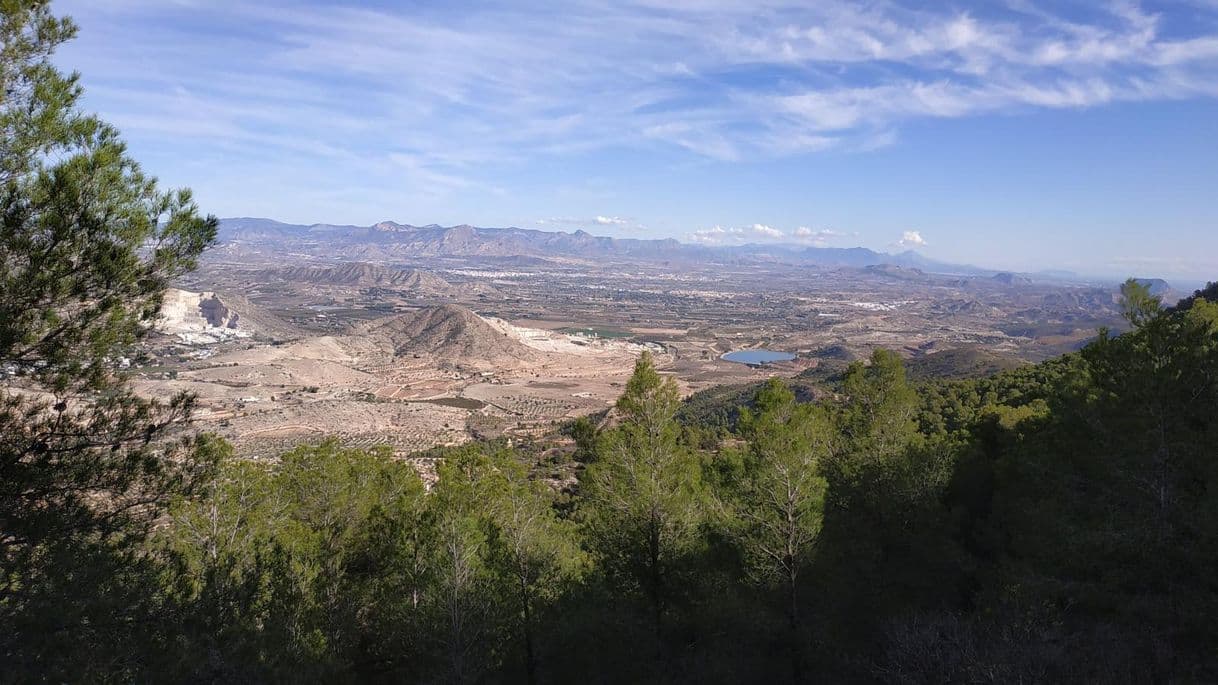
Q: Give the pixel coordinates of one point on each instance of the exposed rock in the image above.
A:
(198, 318)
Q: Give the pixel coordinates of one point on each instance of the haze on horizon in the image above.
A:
(1023, 135)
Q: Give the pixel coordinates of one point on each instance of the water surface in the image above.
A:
(756, 357)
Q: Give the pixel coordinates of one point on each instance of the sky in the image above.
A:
(1025, 134)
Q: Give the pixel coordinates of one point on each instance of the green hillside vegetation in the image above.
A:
(719, 408)
(1209, 292)
(1055, 522)
(958, 363)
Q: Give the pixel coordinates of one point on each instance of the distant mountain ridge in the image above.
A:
(389, 240)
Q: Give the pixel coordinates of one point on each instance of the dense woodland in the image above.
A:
(1052, 523)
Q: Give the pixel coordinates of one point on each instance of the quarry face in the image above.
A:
(198, 318)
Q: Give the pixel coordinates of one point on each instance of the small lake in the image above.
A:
(757, 357)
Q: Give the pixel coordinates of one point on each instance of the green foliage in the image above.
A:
(265, 560)
(878, 421)
(88, 242)
(1124, 468)
(954, 408)
(1138, 306)
(1204, 313)
(781, 491)
(87, 245)
(335, 562)
(643, 503)
(584, 432)
(534, 554)
(717, 409)
(1209, 292)
(959, 363)
(779, 503)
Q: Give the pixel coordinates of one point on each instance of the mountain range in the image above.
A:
(388, 240)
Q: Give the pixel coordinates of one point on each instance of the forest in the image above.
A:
(1052, 523)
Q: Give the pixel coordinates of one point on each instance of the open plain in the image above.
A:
(428, 351)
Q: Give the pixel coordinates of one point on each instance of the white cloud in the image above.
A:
(763, 231)
(817, 236)
(598, 221)
(718, 235)
(910, 240)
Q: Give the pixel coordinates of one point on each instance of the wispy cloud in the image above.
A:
(505, 82)
(415, 103)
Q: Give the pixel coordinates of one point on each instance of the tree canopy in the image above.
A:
(88, 244)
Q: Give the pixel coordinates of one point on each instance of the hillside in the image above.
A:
(959, 363)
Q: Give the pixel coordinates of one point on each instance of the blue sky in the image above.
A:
(1025, 134)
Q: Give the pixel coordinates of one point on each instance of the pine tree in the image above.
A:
(782, 496)
(532, 550)
(464, 595)
(644, 497)
(87, 246)
(878, 421)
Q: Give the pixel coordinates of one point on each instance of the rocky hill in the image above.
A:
(1160, 289)
(449, 332)
(365, 275)
(900, 273)
(1012, 279)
